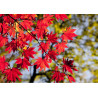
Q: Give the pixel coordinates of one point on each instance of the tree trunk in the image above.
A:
(34, 75)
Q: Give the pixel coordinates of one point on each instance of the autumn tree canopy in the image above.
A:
(28, 40)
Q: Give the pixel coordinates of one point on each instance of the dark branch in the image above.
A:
(34, 75)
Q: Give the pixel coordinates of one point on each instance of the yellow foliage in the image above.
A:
(25, 47)
(30, 44)
(69, 16)
(57, 28)
(3, 53)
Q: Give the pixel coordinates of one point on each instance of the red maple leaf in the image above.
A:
(60, 47)
(41, 29)
(12, 46)
(3, 64)
(43, 46)
(12, 74)
(0, 27)
(71, 79)
(3, 40)
(67, 68)
(7, 19)
(29, 37)
(15, 16)
(29, 52)
(27, 24)
(22, 40)
(61, 16)
(42, 63)
(28, 16)
(23, 63)
(52, 38)
(47, 19)
(57, 75)
(68, 65)
(68, 34)
(5, 27)
(12, 31)
(1, 15)
(51, 55)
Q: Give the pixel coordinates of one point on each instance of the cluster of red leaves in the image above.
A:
(67, 67)
(57, 75)
(24, 28)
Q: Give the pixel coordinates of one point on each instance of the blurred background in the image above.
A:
(83, 49)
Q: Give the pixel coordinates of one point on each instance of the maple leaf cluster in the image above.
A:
(18, 30)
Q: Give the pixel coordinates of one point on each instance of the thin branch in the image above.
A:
(45, 73)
